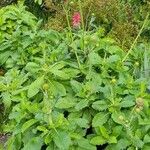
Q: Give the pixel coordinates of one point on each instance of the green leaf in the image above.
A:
(34, 144)
(60, 74)
(137, 142)
(113, 58)
(42, 128)
(112, 139)
(94, 58)
(14, 142)
(116, 117)
(82, 104)
(100, 105)
(98, 140)
(51, 146)
(35, 86)
(146, 147)
(48, 139)
(57, 89)
(32, 67)
(3, 57)
(117, 130)
(57, 70)
(76, 86)
(127, 102)
(122, 144)
(100, 119)
(62, 140)
(104, 132)
(28, 124)
(3, 87)
(39, 2)
(6, 99)
(82, 122)
(71, 72)
(85, 144)
(146, 138)
(66, 102)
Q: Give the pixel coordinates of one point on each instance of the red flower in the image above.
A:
(76, 19)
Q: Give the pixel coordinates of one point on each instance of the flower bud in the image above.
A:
(45, 86)
(121, 118)
(140, 102)
(137, 63)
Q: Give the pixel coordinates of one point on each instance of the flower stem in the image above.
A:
(133, 44)
(82, 23)
(68, 23)
(71, 36)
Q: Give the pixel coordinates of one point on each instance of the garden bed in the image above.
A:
(78, 88)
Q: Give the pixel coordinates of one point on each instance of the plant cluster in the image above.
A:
(71, 91)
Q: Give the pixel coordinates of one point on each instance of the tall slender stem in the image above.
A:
(133, 44)
(82, 23)
(68, 23)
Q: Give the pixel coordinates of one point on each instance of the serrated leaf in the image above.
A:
(66, 102)
(2, 87)
(137, 142)
(76, 86)
(42, 128)
(146, 138)
(82, 104)
(116, 116)
(104, 132)
(100, 119)
(34, 143)
(35, 86)
(122, 144)
(82, 122)
(57, 89)
(117, 130)
(28, 124)
(57, 70)
(94, 58)
(72, 73)
(48, 139)
(3, 57)
(98, 140)
(32, 67)
(85, 144)
(127, 103)
(100, 105)
(62, 140)
(51, 146)
(6, 99)
(113, 58)
(112, 139)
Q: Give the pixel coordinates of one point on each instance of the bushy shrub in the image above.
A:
(71, 94)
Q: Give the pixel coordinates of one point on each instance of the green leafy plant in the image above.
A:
(71, 94)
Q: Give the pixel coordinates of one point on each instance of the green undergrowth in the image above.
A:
(71, 91)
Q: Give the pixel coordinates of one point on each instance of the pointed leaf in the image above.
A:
(66, 102)
(100, 119)
(100, 105)
(28, 124)
(35, 86)
(98, 140)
